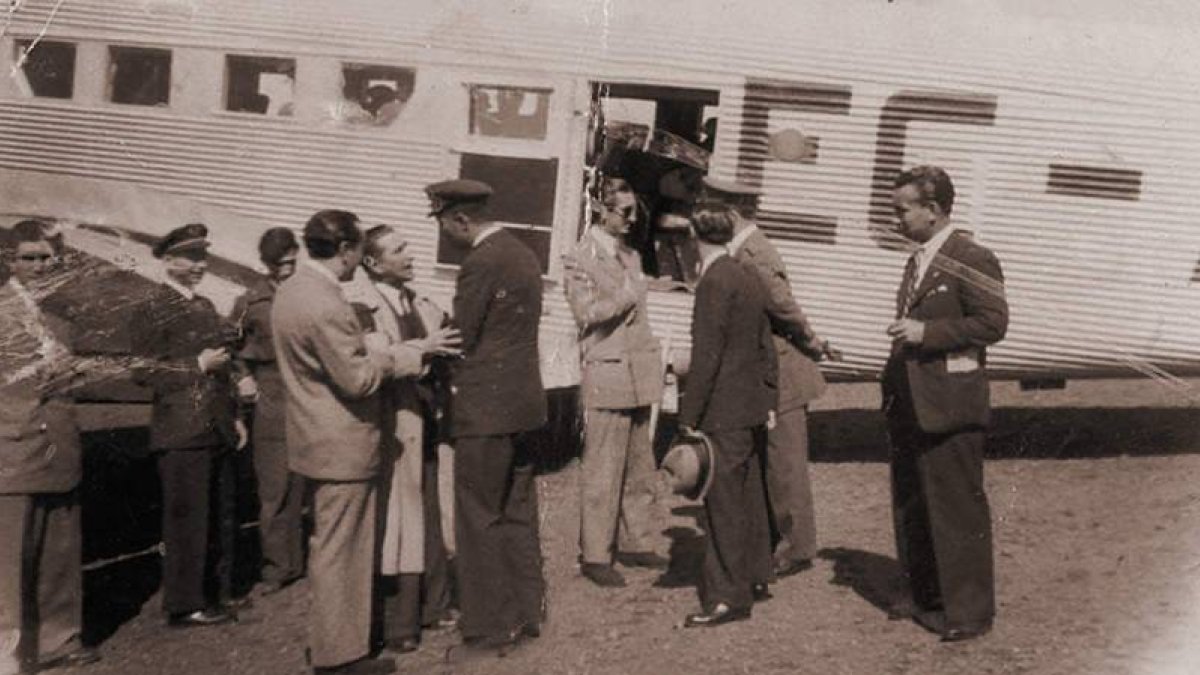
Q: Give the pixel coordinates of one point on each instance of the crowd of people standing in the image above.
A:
(350, 388)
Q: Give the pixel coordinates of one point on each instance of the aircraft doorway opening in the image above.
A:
(655, 141)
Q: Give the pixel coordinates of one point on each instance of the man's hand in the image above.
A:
(243, 435)
(446, 341)
(212, 360)
(376, 341)
(908, 331)
(830, 352)
(247, 389)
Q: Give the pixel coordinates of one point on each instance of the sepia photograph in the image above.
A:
(599, 337)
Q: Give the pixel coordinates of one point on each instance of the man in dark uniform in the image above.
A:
(949, 308)
(280, 491)
(194, 425)
(789, 490)
(41, 608)
(496, 396)
(729, 394)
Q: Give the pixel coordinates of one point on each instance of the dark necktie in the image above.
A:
(908, 285)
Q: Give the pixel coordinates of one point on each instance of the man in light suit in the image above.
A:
(41, 595)
(789, 489)
(496, 398)
(334, 416)
(729, 394)
(622, 377)
(949, 308)
(411, 545)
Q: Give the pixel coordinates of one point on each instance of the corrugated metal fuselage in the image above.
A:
(1082, 178)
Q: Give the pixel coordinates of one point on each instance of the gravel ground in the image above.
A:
(1096, 508)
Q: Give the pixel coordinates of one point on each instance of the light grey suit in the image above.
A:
(334, 415)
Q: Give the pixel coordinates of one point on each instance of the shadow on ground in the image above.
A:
(1025, 433)
(875, 578)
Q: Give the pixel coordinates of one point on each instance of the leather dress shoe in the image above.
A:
(760, 592)
(602, 575)
(968, 632)
(363, 666)
(76, 658)
(234, 604)
(787, 568)
(721, 614)
(485, 647)
(447, 622)
(647, 559)
(202, 617)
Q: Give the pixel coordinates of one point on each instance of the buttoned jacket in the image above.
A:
(962, 304)
(39, 441)
(621, 358)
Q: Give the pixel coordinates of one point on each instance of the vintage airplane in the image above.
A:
(1073, 138)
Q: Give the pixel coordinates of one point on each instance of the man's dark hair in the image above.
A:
(373, 236)
(327, 230)
(276, 243)
(26, 230)
(933, 183)
(713, 223)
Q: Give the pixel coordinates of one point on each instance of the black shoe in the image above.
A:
(402, 645)
(211, 616)
(446, 622)
(647, 559)
(721, 614)
(933, 621)
(485, 647)
(531, 629)
(760, 592)
(602, 575)
(76, 658)
(787, 568)
(967, 632)
(363, 666)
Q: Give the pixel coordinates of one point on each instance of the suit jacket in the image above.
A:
(800, 380)
(334, 410)
(622, 362)
(961, 301)
(256, 357)
(497, 386)
(732, 379)
(39, 440)
(190, 409)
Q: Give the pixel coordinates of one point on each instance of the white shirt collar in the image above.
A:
(929, 250)
(485, 233)
(740, 238)
(606, 240)
(710, 259)
(323, 271)
(188, 293)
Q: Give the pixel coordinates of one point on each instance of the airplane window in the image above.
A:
(139, 76)
(510, 112)
(262, 85)
(523, 202)
(373, 94)
(49, 69)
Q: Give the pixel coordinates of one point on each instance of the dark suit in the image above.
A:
(280, 491)
(41, 609)
(729, 392)
(800, 382)
(496, 395)
(935, 396)
(192, 425)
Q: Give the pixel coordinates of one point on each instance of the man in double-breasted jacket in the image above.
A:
(798, 347)
(496, 398)
(949, 308)
(40, 470)
(622, 377)
(194, 426)
(729, 393)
